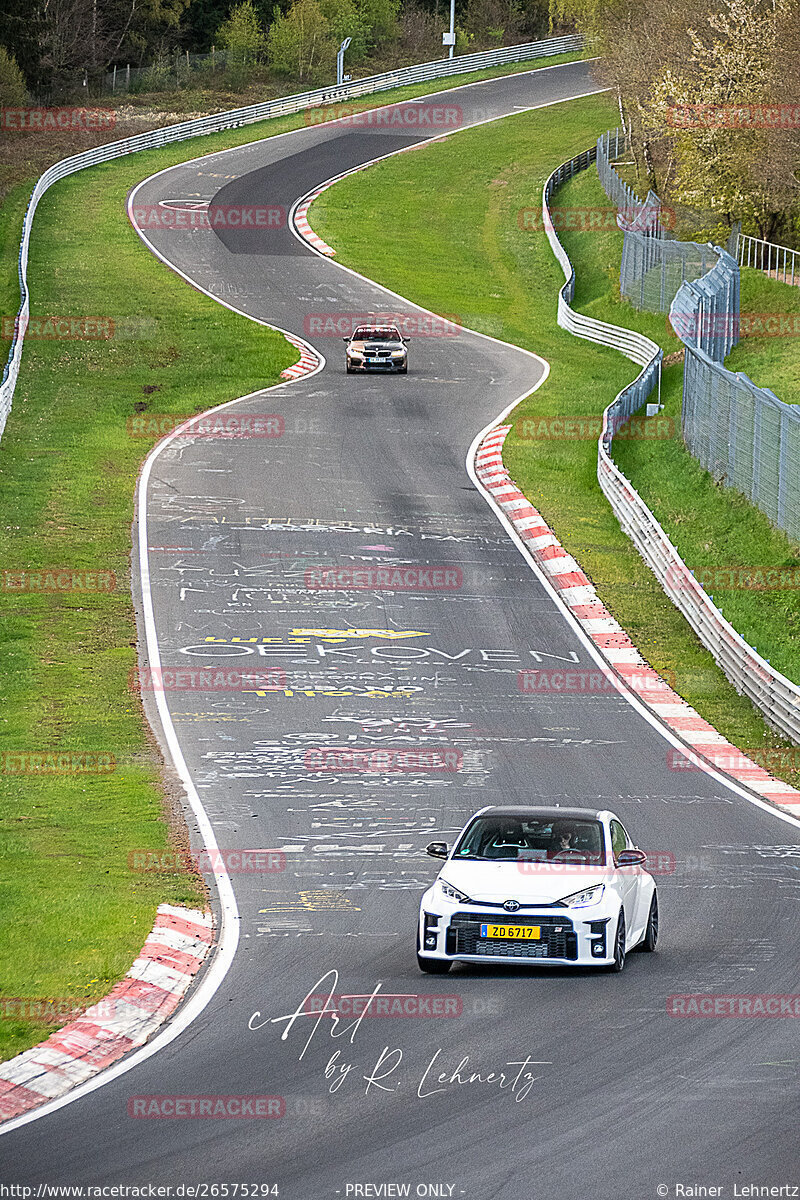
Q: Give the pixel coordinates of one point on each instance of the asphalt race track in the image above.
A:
(611, 1096)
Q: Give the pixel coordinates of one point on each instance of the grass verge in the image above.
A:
(465, 250)
(772, 360)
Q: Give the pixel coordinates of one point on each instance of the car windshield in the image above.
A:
(533, 839)
(378, 334)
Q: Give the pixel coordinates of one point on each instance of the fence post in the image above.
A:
(782, 465)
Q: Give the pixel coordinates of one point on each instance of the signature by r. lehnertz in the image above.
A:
(432, 1077)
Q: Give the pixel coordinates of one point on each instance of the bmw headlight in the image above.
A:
(584, 899)
(398, 353)
(452, 893)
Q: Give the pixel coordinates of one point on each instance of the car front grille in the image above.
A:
(558, 938)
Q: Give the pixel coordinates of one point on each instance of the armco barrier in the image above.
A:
(246, 116)
(635, 346)
(776, 697)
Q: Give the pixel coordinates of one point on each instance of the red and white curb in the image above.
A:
(579, 595)
(309, 360)
(172, 955)
(305, 230)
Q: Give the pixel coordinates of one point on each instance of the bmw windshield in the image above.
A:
(377, 335)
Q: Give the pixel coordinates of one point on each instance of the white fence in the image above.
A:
(232, 120)
(775, 696)
(778, 261)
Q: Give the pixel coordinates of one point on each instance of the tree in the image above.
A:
(346, 19)
(675, 58)
(715, 103)
(242, 36)
(13, 92)
(304, 43)
(20, 31)
(380, 17)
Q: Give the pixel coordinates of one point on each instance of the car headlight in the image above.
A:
(584, 899)
(452, 893)
(398, 353)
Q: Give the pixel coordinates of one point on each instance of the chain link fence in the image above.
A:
(654, 263)
(705, 312)
(181, 70)
(743, 434)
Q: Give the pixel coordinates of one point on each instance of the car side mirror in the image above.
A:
(344, 339)
(437, 849)
(631, 858)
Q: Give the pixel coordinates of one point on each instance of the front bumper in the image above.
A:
(568, 937)
(384, 365)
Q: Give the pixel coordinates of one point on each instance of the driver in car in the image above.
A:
(563, 839)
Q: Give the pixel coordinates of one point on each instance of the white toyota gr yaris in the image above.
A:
(530, 884)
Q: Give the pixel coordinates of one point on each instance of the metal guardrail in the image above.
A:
(779, 262)
(635, 346)
(775, 696)
(233, 119)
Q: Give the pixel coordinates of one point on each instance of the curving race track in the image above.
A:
(617, 1096)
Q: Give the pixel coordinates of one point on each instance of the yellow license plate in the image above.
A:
(511, 933)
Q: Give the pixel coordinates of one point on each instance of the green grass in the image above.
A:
(75, 915)
(772, 361)
(463, 251)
